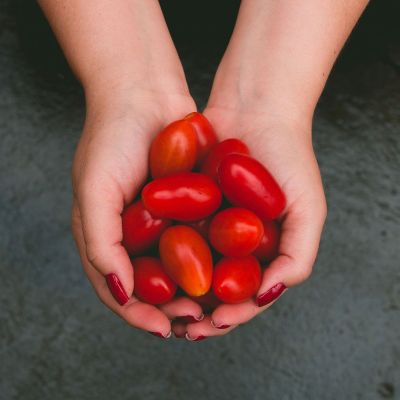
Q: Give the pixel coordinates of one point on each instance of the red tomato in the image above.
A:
(219, 152)
(236, 279)
(246, 183)
(235, 232)
(152, 284)
(140, 230)
(268, 248)
(187, 259)
(206, 137)
(187, 196)
(173, 150)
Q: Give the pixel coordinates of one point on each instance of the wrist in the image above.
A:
(246, 88)
(275, 112)
(126, 100)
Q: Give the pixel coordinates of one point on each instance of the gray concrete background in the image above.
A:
(335, 337)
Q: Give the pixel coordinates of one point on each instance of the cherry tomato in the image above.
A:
(246, 183)
(219, 152)
(187, 259)
(236, 279)
(173, 150)
(206, 137)
(268, 248)
(187, 196)
(235, 232)
(140, 230)
(152, 284)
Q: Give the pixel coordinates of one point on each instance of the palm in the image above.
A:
(109, 169)
(282, 148)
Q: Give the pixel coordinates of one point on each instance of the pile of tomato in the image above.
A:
(206, 222)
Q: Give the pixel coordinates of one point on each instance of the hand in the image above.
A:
(285, 147)
(109, 169)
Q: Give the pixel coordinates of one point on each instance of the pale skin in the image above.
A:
(265, 92)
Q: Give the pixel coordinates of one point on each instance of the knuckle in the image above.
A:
(93, 253)
(324, 209)
(303, 273)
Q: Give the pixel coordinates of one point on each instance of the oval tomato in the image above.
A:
(206, 137)
(187, 259)
(247, 183)
(152, 284)
(140, 230)
(236, 279)
(268, 247)
(235, 232)
(219, 152)
(173, 150)
(187, 196)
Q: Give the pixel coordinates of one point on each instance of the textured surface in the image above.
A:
(335, 337)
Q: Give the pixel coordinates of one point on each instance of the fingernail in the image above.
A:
(160, 335)
(270, 295)
(219, 326)
(190, 319)
(116, 289)
(201, 337)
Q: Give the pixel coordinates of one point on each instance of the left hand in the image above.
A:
(285, 147)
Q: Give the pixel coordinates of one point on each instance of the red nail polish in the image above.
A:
(116, 289)
(190, 319)
(158, 334)
(270, 295)
(223, 326)
(201, 337)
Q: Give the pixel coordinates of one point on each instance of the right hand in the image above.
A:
(109, 169)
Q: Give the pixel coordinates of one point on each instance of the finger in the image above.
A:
(179, 329)
(203, 329)
(183, 307)
(134, 312)
(100, 204)
(227, 315)
(300, 237)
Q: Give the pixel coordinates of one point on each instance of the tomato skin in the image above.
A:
(152, 284)
(236, 279)
(206, 137)
(140, 230)
(187, 259)
(219, 152)
(173, 150)
(235, 232)
(246, 183)
(268, 247)
(187, 196)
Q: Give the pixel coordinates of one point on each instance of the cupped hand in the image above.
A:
(284, 146)
(109, 170)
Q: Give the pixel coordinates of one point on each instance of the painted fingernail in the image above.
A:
(160, 335)
(223, 326)
(116, 289)
(190, 319)
(270, 295)
(219, 326)
(197, 339)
